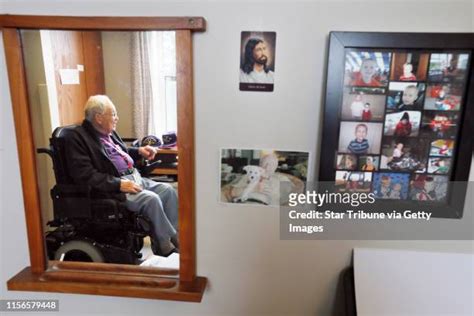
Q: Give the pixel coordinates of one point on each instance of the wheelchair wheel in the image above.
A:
(79, 250)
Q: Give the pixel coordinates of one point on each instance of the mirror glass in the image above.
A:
(89, 209)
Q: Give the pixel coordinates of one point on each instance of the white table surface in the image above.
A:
(411, 283)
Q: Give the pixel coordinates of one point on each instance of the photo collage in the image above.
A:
(399, 122)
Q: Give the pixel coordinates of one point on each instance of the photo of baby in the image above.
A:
(404, 154)
(439, 165)
(448, 68)
(250, 176)
(360, 138)
(368, 69)
(402, 124)
(392, 186)
(361, 105)
(369, 163)
(346, 162)
(437, 124)
(410, 66)
(442, 147)
(405, 96)
(429, 188)
(443, 97)
(350, 181)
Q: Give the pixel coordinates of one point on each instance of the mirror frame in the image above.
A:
(99, 278)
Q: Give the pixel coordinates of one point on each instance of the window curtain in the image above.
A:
(142, 94)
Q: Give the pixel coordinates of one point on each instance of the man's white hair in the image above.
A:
(95, 105)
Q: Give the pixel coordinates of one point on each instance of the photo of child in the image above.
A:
(360, 138)
(350, 181)
(409, 66)
(448, 68)
(442, 147)
(407, 73)
(392, 186)
(405, 96)
(368, 69)
(369, 163)
(346, 162)
(366, 112)
(356, 107)
(437, 124)
(363, 104)
(402, 124)
(404, 154)
(359, 145)
(250, 176)
(429, 188)
(443, 97)
(439, 165)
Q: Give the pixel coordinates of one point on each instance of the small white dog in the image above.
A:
(252, 177)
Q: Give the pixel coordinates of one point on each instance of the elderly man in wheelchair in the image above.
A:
(103, 207)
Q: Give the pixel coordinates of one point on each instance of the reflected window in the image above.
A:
(163, 82)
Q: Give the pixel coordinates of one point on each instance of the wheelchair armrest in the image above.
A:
(47, 151)
(119, 196)
(71, 201)
(148, 167)
(71, 190)
(79, 201)
(85, 191)
(108, 209)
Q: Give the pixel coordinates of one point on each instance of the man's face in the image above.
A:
(107, 121)
(260, 53)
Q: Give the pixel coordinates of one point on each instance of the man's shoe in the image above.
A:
(162, 250)
(175, 240)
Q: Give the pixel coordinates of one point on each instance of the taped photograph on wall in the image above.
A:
(260, 176)
(257, 61)
(396, 117)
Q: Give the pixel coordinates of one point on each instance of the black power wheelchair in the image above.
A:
(88, 227)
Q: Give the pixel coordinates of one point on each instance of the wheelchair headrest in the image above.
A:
(63, 131)
(58, 147)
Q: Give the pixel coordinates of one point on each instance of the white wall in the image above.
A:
(251, 271)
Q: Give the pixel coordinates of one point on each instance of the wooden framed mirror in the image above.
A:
(101, 278)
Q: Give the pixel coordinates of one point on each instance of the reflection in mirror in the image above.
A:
(91, 206)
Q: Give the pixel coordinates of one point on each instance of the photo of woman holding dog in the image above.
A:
(265, 177)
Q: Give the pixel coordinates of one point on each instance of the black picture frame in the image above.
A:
(339, 44)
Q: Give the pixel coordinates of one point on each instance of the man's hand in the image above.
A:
(148, 152)
(128, 186)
